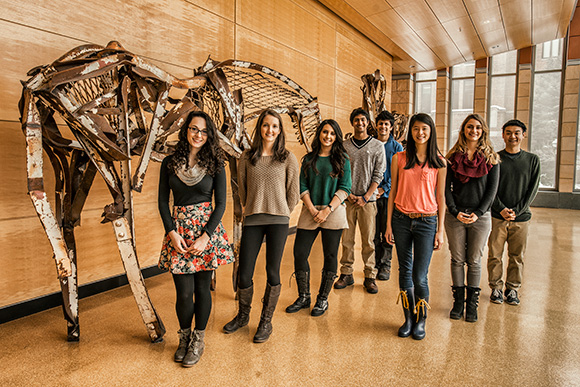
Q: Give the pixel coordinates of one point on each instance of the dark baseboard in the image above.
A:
(35, 305)
(564, 200)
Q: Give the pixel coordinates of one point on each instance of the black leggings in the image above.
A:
(185, 286)
(252, 237)
(303, 245)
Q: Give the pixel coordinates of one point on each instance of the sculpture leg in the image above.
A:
(153, 323)
(70, 297)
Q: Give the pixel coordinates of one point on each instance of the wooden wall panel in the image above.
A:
(300, 38)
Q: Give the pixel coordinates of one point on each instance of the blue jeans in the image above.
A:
(414, 240)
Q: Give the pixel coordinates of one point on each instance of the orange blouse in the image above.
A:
(416, 187)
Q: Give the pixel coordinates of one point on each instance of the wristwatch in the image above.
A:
(331, 209)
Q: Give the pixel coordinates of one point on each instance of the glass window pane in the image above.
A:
(505, 63)
(549, 55)
(426, 76)
(466, 69)
(426, 98)
(501, 106)
(545, 121)
(461, 105)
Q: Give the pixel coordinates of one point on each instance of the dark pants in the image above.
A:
(414, 240)
(383, 250)
(185, 287)
(250, 245)
(303, 244)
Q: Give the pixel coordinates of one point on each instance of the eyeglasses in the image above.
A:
(195, 131)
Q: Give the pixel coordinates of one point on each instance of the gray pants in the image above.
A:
(466, 244)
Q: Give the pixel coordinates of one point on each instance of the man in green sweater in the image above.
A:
(518, 184)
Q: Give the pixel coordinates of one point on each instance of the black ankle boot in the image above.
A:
(458, 302)
(407, 298)
(421, 313)
(322, 299)
(303, 300)
(471, 304)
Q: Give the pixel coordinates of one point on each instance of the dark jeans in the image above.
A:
(185, 287)
(303, 244)
(383, 250)
(414, 240)
(250, 245)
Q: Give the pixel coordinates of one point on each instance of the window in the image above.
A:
(502, 94)
(545, 116)
(577, 174)
(426, 92)
(462, 95)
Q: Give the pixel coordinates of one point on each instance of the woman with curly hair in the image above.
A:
(195, 243)
(472, 181)
(269, 191)
(325, 183)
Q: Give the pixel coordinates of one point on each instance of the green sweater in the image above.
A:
(321, 187)
(519, 178)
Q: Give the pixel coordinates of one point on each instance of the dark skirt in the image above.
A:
(190, 221)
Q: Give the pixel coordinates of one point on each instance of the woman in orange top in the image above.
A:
(416, 211)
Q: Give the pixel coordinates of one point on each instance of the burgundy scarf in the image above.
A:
(465, 169)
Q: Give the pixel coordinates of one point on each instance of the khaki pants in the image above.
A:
(516, 236)
(365, 216)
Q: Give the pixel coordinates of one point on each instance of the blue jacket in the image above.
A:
(391, 147)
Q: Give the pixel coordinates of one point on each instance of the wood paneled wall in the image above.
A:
(300, 38)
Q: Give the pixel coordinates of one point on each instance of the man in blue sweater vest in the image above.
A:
(519, 178)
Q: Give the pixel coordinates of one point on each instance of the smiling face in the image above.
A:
(421, 132)
(360, 123)
(270, 129)
(513, 137)
(327, 136)
(197, 132)
(384, 129)
(473, 130)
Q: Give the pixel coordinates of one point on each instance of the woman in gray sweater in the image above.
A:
(269, 191)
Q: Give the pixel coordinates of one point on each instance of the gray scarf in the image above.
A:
(191, 176)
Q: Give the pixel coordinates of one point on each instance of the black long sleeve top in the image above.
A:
(518, 184)
(475, 196)
(184, 195)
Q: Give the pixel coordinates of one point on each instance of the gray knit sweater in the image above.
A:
(367, 164)
(269, 187)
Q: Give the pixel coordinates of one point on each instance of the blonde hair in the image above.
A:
(483, 144)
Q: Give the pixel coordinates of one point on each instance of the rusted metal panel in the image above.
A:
(153, 323)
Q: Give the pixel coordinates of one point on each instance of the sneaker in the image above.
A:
(511, 297)
(384, 274)
(496, 296)
(344, 281)
(371, 286)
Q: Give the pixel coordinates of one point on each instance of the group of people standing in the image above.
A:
(396, 196)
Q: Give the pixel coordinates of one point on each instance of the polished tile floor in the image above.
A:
(353, 344)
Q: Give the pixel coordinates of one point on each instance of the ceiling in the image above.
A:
(426, 35)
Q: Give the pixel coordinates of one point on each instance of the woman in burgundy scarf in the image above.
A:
(471, 184)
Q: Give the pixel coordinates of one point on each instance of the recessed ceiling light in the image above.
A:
(486, 21)
(412, 66)
(494, 47)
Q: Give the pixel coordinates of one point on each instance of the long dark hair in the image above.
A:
(280, 151)
(338, 154)
(433, 154)
(210, 156)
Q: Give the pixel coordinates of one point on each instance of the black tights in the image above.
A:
(185, 286)
(303, 244)
(250, 245)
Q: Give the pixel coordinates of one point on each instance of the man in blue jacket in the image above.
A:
(383, 250)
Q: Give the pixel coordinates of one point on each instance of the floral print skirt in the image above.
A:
(189, 221)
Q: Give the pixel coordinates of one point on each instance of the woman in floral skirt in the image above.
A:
(195, 243)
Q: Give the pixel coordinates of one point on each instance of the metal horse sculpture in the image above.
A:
(374, 91)
(120, 109)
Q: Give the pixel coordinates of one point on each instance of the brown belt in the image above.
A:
(415, 215)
